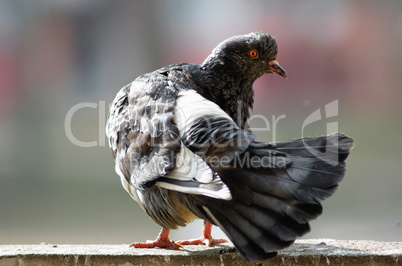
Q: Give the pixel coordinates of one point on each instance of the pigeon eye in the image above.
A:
(253, 53)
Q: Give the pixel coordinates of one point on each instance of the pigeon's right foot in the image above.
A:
(205, 239)
(161, 242)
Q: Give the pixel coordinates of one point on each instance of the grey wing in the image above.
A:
(145, 129)
(143, 139)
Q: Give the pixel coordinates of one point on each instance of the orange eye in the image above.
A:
(253, 53)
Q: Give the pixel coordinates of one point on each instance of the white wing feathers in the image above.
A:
(192, 175)
(191, 106)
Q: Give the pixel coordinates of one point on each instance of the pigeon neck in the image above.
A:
(230, 90)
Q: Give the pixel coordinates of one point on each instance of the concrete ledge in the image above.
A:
(305, 252)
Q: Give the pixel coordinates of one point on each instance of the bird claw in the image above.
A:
(157, 244)
(208, 241)
(162, 241)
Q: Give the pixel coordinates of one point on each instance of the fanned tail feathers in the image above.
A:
(273, 205)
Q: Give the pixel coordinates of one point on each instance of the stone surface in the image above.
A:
(313, 252)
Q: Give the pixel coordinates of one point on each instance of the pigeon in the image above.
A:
(184, 150)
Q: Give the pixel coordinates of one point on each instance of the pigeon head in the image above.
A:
(247, 57)
(233, 66)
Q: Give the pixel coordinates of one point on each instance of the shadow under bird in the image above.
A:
(183, 150)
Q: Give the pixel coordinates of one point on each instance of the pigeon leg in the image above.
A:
(162, 241)
(205, 239)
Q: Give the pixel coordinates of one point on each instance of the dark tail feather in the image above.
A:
(276, 191)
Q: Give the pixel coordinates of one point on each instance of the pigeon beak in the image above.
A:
(276, 69)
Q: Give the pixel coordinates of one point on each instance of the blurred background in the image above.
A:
(63, 61)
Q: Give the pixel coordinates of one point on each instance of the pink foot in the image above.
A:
(206, 238)
(162, 241)
(203, 241)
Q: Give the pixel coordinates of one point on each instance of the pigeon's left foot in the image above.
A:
(205, 239)
(162, 241)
